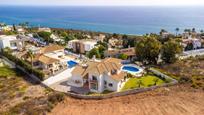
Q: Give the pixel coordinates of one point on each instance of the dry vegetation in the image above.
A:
(190, 71)
(19, 95)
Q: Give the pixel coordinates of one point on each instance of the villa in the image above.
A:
(100, 37)
(12, 41)
(81, 46)
(44, 30)
(50, 59)
(114, 42)
(98, 76)
(196, 43)
(130, 52)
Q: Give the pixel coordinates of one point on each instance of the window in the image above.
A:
(13, 44)
(94, 78)
(105, 82)
(113, 72)
(50, 65)
(94, 86)
(110, 85)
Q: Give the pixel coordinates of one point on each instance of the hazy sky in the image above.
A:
(103, 2)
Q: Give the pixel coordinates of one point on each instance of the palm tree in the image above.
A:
(193, 30)
(31, 56)
(201, 31)
(155, 81)
(139, 82)
(177, 30)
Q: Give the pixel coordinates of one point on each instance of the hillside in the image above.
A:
(176, 100)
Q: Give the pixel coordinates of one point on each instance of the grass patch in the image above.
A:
(6, 71)
(146, 81)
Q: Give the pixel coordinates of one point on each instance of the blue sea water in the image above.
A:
(127, 20)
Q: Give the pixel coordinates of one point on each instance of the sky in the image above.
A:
(104, 2)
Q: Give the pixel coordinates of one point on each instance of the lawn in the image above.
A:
(6, 71)
(147, 81)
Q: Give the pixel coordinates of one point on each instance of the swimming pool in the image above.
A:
(71, 63)
(132, 69)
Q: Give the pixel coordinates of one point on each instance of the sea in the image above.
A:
(112, 19)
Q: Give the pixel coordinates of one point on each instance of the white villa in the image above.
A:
(12, 41)
(81, 46)
(51, 59)
(98, 76)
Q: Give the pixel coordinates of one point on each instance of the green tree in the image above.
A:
(169, 51)
(31, 56)
(189, 47)
(139, 82)
(148, 49)
(45, 36)
(101, 50)
(177, 30)
(93, 52)
(123, 56)
(155, 80)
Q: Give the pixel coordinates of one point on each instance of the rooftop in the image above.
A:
(51, 48)
(107, 65)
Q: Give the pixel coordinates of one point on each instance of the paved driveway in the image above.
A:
(62, 86)
(59, 77)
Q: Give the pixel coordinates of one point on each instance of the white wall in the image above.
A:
(71, 81)
(110, 80)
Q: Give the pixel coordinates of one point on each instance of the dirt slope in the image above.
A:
(177, 100)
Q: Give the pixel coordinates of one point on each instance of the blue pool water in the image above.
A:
(130, 69)
(71, 63)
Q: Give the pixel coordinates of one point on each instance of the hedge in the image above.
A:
(24, 65)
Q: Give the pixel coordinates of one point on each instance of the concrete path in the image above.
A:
(59, 77)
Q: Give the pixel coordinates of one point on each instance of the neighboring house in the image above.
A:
(6, 28)
(12, 41)
(114, 42)
(195, 42)
(100, 37)
(130, 52)
(50, 59)
(98, 76)
(44, 30)
(81, 46)
(20, 29)
(56, 38)
(165, 34)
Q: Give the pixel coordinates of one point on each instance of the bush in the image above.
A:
(55, 98)
(24, 65)
(123, 56)
(185, 80)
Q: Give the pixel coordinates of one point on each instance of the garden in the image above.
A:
(145, 81)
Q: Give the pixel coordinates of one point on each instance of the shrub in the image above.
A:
(185, 80)
(55, 98)
(24, 65)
